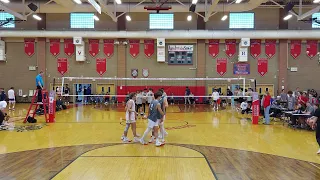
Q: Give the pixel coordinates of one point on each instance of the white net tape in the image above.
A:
(81, 88)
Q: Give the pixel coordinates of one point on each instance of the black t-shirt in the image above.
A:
(317, 114)
(2, 116)
(66, 90)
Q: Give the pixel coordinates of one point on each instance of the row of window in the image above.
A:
(156, 21)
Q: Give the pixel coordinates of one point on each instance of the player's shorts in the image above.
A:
(130, 121)
(152, 124)
(12, 100)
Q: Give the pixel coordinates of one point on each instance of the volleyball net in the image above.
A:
(117, 89)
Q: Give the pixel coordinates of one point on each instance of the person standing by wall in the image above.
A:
(12, 98)
(266, 105)
(3, 95)
(40, 85)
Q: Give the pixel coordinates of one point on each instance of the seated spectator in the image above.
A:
(244, 107)
(171, 99)
(303, 99)
(312, 99)
(192, 99)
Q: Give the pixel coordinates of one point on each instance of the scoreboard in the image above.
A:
(180, 54)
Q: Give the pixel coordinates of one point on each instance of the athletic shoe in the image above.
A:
(318, 152)
(122, 137)
(166, 133)
(126, 140)
(158, 143)
(136, 139)
(152, 139)
(142, 142)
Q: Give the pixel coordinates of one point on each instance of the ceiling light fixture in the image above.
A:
(5, 1)
(287, 17)
(118, 1)
(224, 17)
(194, 1)
(316, 1)
(77, 1)
(189, 18)
(37, 17)
(238, 1)
(128, 18)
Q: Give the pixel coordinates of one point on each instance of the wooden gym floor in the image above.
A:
(85, 143)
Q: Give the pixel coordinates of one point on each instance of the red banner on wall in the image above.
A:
(230, 47)
(295, 48)
(29, 46)
(68, 47)
(312, 48)
(270, 49)
(55, 46)
(101, 65)
(62, 64)
(134, 47)
(93, 47)
(108, 47)
(214, 47)
(222, 66)
(255, 48)
(149, 47)
(262, 66)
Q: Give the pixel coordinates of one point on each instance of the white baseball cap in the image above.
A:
(3, 105)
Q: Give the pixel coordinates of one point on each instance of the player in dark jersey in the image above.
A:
(153, 122)
(164, 104)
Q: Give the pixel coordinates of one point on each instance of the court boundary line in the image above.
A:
(314, 165)
(142, 156)
(58, 172)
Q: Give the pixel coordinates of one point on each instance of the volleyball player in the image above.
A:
(12, 98)
(130, 119)
(153, 122)
(164, 104)
(215, 98)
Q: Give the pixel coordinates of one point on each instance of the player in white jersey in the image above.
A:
(12, 98)
(130, 119)
(164, 104)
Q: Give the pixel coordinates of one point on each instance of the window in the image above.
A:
(81, 20)
(7, 20)
(241, 21)
(314, 22)
(161, 21)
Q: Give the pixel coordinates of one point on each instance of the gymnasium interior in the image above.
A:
(104, 51)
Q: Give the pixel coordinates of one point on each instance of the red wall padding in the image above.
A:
(176, 90)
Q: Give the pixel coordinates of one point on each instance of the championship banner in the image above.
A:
(230, 47)
(29, 46)
(108, 47)
(295, 48)
(262, 66)
(270, 49)
(134, 73)
(221, 66)
(101, 65)
(68, 47)
(93, 47)
(55, 46)
(214, 47)
(62, 64)
(241, 68)
(149, 47)
(145, 73)
(134, 47)
(312, 48)
(255, 48)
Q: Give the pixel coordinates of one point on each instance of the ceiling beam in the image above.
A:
(8, 10)
(65, 3)
(211, 10)
(107, 10)
(309, 13)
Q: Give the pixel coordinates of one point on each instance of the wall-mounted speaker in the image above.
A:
(192, 8)
(33, 7)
